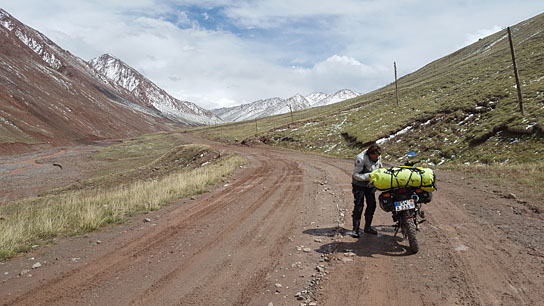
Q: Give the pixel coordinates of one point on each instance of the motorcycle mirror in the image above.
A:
(411, 154)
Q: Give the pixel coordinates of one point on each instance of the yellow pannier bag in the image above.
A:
(388, 178)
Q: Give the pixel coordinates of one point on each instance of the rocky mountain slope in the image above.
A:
(50, 96)
(275, 106)
(118, 73)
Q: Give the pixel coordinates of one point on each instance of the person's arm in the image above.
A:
(361, 172)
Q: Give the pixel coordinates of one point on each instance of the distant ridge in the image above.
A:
(275, 106)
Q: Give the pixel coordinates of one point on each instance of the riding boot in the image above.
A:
(369, 229)
(356, 230)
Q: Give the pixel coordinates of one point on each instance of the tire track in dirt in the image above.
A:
(481, 256)
(68, 284)
(271, 232)
(165, 284)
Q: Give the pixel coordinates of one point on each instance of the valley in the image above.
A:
(274, 232)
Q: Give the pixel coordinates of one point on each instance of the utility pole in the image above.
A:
(396, 86)
(256, 128)
(515, 71)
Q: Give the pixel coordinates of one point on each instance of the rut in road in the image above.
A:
(275, 182)
(268, 227)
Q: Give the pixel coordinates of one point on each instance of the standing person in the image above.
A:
(365, 162)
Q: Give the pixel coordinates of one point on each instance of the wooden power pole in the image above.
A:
(396, 86)
(515, 71)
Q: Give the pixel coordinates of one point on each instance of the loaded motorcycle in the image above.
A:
(408, 188)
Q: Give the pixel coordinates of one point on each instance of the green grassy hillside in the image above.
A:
(462, 108)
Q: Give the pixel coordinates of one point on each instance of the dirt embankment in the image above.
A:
(273, 235)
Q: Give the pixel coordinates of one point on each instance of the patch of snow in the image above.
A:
(39, 49)
(537, 79)
(331, 147)
(404, 130)
(6, 24)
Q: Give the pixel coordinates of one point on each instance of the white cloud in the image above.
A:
(183, 19)
(251, 53)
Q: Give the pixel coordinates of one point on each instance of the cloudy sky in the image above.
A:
(225, 52)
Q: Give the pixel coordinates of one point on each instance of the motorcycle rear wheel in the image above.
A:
(410, 231)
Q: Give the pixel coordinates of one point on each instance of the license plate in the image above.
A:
(405, 205)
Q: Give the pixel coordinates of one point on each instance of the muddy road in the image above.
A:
(274, 235)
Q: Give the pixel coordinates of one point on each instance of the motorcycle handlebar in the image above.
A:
(411, 163)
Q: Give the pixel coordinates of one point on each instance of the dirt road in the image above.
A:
(273, 235)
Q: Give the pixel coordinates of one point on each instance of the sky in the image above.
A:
(222, 53)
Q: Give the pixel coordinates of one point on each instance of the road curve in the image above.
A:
(274, 234)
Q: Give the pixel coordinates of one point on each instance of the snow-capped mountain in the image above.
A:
(121, 74)
(338, 96)
(315, 97)
(275, 106)
(48, 95)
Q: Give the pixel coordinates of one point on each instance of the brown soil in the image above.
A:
(274, 235)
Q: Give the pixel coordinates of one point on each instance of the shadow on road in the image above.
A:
(327, 232)
(385, 243)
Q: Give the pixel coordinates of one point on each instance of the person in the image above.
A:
(365, 162)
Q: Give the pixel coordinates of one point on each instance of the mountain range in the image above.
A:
(48, 95)
(275, 106)
(120, 74)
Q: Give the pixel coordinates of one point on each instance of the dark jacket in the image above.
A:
(363, 166)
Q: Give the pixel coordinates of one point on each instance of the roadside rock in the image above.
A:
(510, 196)
(23, 272)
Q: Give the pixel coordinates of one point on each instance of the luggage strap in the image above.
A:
(412, 170)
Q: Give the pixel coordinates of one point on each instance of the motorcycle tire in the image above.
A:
(410, 231)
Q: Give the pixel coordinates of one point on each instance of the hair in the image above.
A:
(374, 149)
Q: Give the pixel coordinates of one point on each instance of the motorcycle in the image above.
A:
(405, 203)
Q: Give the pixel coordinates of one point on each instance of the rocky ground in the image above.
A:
(274, 234)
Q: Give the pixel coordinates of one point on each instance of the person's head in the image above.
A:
(374, 151)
